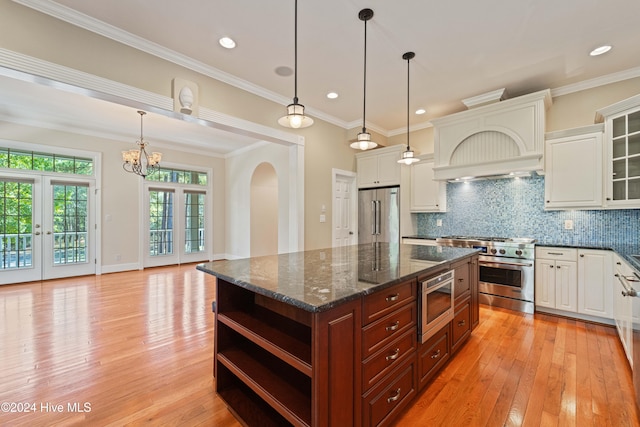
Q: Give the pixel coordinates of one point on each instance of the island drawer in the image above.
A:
(394, 354)
(383, 302)
(380, 405)
(379, 334)
(433, 354)
(461, 324)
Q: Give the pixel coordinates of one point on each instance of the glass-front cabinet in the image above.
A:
(622, 139)
(625, 162)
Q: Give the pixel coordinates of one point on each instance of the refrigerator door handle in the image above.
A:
(378, 216)
(374, 223)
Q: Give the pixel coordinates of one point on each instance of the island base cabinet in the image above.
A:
(382, 403)
(433, 355)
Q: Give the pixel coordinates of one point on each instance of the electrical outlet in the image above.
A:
(438, 223)
(568, 224)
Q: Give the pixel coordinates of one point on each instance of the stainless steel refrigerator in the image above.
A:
(379, 215)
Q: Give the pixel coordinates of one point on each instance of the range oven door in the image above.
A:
(507, 277)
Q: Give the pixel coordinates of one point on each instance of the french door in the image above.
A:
(175, 226)
(47, 228)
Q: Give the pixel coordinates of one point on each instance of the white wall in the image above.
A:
(239, 171)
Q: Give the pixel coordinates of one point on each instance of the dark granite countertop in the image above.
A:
(321, 279)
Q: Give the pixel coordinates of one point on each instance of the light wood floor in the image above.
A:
(135, 348)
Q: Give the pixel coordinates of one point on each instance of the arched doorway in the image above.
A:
(264, 211)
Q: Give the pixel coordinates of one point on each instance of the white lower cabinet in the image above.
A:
(623, 310)
(556, 278)
(595, 270)
(574, 281)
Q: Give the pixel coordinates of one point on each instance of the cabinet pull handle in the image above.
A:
(581, 255)
(394, 355)
(551, 266)
(461, 323)
(555, 253)
(436, 354)
(394, 398)
(393, 327)
(558, 266)
(460, 280)
(618, 263)
(392, 298)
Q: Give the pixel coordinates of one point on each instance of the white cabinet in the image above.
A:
(595, 273)
(427, 195)
(556, 278)
(623, 306)
(379, 168)
(574, 168)
(622, 142)
(575, 281)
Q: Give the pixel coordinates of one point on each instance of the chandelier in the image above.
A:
(407, 156)
(364, 141)
(138, 161)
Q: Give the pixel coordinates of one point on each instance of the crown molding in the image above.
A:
(88, 23)
(596, 82)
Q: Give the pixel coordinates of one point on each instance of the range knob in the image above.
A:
(519, 252)
(493, 251)
(502, 251)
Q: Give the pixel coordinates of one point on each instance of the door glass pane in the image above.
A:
(160, 222)
(634, 122)
(634, 189)
(194, 222)
(16, 202)
(634, 166)
(620, 169)
(634, 144)
(619, 147)
(70, 224)
(619, 126)
(619, 190)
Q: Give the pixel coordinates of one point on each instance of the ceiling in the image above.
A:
(463, 48)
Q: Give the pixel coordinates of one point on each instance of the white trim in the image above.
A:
(117, 268)
(109, 31)
(335, 173)
(33, 70)
(631, 73)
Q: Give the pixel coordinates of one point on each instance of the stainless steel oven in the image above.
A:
(436, 304)
(506, 270)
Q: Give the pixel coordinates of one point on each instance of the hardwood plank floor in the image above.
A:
(135, 348)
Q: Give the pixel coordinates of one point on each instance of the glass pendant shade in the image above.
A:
(295, 117)
(407, 157)
(364, 141)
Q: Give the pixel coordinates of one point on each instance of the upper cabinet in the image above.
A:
(622, 141)
(494, 139)
(427, 195)
(574, 168)
(380, 167)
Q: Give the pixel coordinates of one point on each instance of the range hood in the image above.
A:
(497, 139)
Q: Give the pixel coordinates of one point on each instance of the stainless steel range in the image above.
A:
(506, 269)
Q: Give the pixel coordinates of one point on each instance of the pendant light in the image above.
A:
(295, 117)
(407, 156)
(364, 138)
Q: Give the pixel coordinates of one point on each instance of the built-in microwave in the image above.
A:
(436, 304)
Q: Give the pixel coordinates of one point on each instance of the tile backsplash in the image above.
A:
(515, 208)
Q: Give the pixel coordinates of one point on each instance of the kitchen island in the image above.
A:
(330, 336)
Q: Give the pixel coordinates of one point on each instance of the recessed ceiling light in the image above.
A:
(284, 71)
(420, 111)
(227, 42)
(332, 95)
(600, 50)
